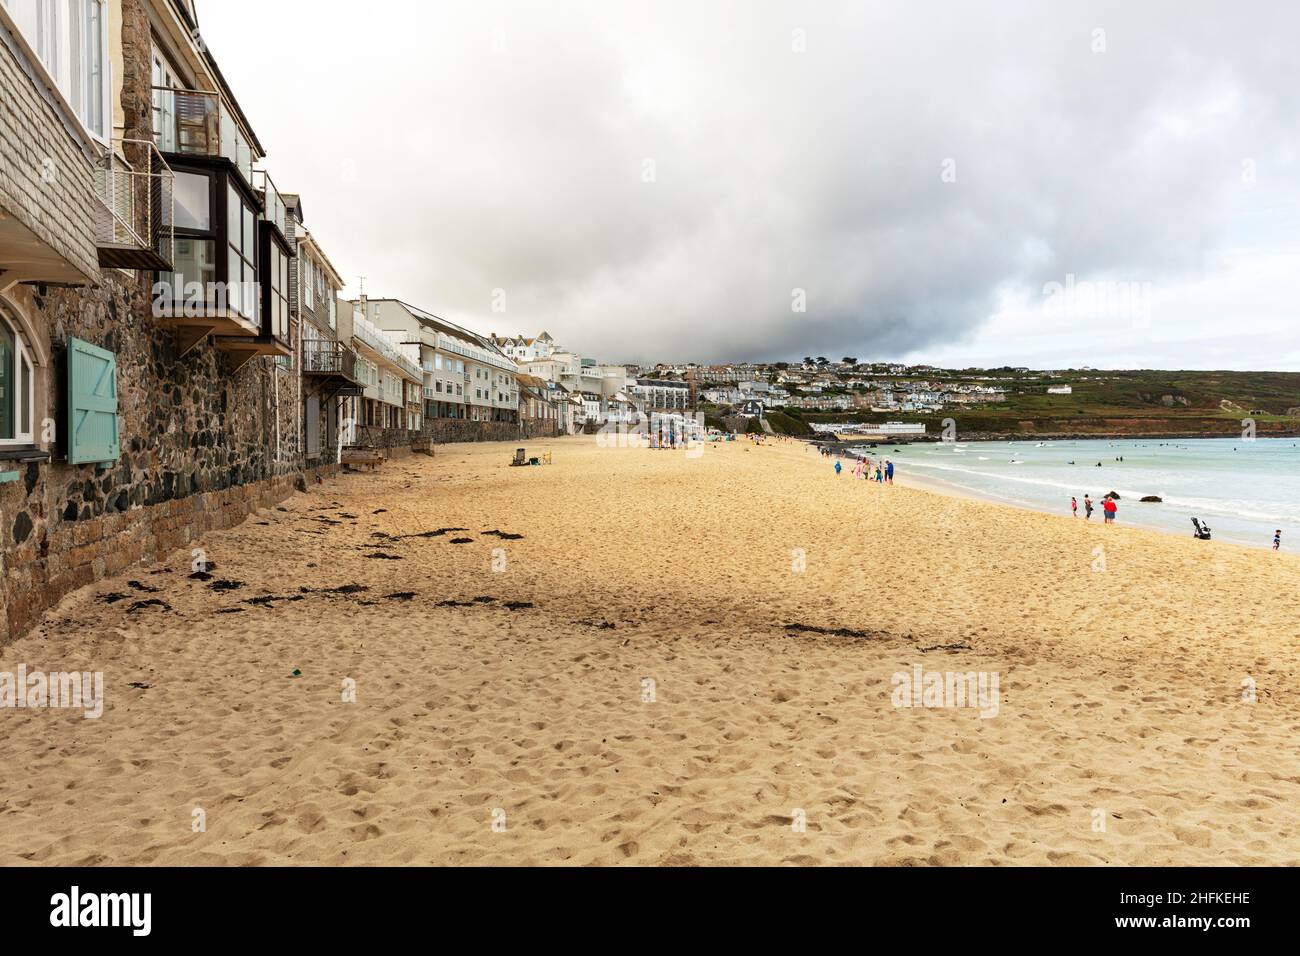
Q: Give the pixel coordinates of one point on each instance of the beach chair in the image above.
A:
(519, 458)
(1202, 531)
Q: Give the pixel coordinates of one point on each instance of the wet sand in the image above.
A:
(501, 682)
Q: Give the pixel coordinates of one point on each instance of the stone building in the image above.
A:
(147, 392)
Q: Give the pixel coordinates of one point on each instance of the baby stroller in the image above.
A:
(1202, 531)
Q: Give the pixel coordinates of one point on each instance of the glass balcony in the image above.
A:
(275, 211)
(200, 123)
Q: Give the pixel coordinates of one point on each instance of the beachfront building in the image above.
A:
(538, 411)
(660, 395)
(327, 366)
(570, 408)
(463, 377)
(620, 409)
(145, 340)
(381, 415)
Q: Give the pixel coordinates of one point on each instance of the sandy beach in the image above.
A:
(620, 683)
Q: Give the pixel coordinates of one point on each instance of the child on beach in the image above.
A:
(1087, 508)
(857, 469)
(889, 471)
(837, 466)
(1074, 507)
(1277, 539)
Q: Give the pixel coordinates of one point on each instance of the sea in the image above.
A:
(1244, 490)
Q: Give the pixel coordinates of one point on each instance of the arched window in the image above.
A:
(17, 391)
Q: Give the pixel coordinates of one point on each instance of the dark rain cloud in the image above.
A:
(449, 150)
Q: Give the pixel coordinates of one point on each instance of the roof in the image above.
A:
(307, 239)
(439, 324)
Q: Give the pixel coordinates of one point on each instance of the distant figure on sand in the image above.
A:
(889, 471)
(857, 469)
(1087, 508)
(1277, 539)
(1074, 507)
(837, 466)
(879, 478)
(1110, 508)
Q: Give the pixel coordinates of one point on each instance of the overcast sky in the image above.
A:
(955, 183)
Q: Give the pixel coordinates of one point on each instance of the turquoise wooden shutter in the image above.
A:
(92, 404)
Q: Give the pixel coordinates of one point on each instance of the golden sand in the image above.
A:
(1121, 736)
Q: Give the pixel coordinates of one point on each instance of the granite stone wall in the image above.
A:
(447, 430)
(197, 439)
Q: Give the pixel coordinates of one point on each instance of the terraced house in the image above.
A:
(328, 365)
(148, 390)
(387, 412)
(469, 387)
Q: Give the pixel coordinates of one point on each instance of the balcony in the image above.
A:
(331, 366)
(202, 124)
(136, 212)
(383, 347)
(272, 204)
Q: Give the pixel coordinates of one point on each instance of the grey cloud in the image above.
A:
(522, 170)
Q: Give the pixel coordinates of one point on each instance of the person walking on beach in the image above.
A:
(879, 478)
(1087, 508)
(857, 469)
(1277, 539)
(1110, 508)
(837, 466)
(1074, 507)
(889, 472)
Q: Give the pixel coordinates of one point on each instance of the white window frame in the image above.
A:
(21, 356)
(52, 33)
(308, 294)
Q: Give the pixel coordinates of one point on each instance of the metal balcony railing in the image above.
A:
(275, 211)
(201, 123)
(134, 223)
(327, 357)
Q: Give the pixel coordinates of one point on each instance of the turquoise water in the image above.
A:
(1243, 489)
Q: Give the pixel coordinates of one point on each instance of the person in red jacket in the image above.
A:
(1110, 508)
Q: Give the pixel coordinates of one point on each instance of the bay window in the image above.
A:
(278, 320)
(275, 284)
(241, 254)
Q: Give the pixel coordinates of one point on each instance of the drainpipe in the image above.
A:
(275, 403)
